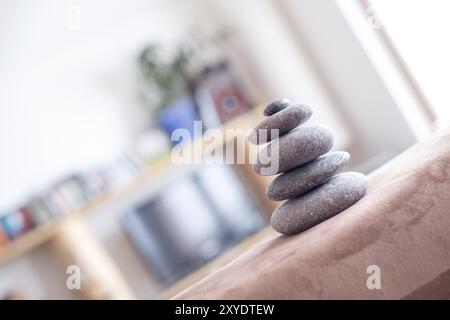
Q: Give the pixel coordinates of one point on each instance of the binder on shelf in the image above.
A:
(3, 236)
(39, 211)
(94, 183)
(71, 193)
(26, 218)
(15, 223)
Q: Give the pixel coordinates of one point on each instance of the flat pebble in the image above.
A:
(308, 176)
(276, 106)
(294, 149)
(310, 209)
(285, 120)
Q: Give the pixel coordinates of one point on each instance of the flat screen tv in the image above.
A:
(191, 220)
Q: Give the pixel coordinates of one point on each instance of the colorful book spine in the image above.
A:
(3, 236)
(39, 211)
(27, 219)
(56, 201)
(68, 195)
(14, 224)
(72, 194)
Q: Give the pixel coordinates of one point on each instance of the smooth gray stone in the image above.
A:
(331, 198)
(285, 120)
(294, 149)
(276, 106)
(308, 176)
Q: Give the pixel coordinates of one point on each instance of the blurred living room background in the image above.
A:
(90, 92)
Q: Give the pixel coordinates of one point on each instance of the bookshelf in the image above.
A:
(51, 231)
(46, 232)
(28, 241)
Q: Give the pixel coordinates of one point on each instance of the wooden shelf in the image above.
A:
(47, 232)
(40, 235)
(28, 241)
(102, 279)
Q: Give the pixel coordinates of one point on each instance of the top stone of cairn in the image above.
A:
(276, 106)
(280, 123)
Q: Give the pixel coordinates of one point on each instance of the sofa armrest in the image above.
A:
(402, 226)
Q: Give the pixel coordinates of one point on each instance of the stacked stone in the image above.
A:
(310, 180)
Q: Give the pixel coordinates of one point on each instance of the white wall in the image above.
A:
(366, 95)
(68, 96)
(419, 33)
(278, 61)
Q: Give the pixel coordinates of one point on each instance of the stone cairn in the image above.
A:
(310, 180)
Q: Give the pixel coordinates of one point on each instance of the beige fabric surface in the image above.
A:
(402, 226)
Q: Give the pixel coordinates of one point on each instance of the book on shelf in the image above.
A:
(3, 236)
(93, 183)
(39, 211)
(26, 218)
(56, 202)
(122, 171)
(16, 223)
(71, 193)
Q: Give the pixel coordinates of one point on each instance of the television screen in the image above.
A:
(192, 220)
